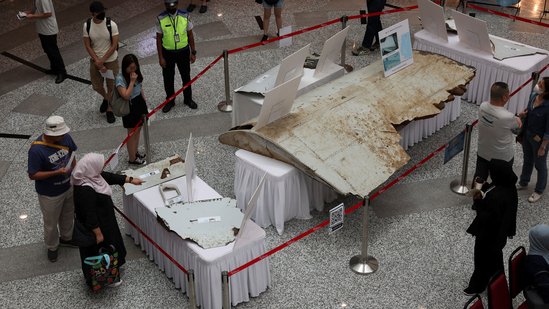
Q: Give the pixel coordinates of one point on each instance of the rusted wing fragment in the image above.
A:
(343, 133)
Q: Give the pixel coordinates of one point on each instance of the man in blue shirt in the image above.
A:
(50, 165)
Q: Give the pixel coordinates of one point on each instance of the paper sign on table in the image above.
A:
(190, 169)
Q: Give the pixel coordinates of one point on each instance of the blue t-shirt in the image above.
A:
(44, 158)
(120, 81)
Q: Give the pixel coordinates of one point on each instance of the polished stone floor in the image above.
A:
(417, 228)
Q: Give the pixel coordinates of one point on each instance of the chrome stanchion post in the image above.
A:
(460, 186)
(347, 67)
(364, 264)
(226, 300)
(146, 138)
(192, 290)
(227, 105)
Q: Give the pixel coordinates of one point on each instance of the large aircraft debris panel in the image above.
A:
(343, 133)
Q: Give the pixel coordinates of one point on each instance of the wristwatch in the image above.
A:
(193, 52)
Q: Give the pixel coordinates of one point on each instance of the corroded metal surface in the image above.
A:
(343, 133)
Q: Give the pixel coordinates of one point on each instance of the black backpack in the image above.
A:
(109, 27)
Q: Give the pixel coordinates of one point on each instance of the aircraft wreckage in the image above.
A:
(343, 133)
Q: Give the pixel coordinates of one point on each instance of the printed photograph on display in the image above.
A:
(396, 47)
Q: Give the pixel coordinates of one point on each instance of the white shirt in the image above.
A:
(45, 26)
(495, 139)
(100, 38)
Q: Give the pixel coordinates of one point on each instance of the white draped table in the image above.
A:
(514, 71)
(286, 194)
(206, 263)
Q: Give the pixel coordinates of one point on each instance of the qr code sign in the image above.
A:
(336, 218)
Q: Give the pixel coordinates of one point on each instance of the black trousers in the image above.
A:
(483, 168)
(182, 59)
(374, 22)
(488, 261)
(49, 44)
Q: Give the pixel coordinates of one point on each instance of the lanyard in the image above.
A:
(174, 25)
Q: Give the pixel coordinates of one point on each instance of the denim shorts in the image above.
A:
(277, 5)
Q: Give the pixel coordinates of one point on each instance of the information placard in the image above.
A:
(336, 218)
(396, 47)
(455, 146)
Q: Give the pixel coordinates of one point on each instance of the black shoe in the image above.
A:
(51, 72)
(110, 117)
(168, 106)
(469, 291)
(203, 9)
(191, 7)
(191, 104)
(104, 106)
(264, 38)
(138, 161)
(52, 255)
(140, 155)
(60, 78)
(67, 243)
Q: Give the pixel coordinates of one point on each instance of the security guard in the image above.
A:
(175, 45)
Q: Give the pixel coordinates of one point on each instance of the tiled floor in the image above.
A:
(417, 227)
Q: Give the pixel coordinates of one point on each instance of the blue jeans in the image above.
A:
(531, 159)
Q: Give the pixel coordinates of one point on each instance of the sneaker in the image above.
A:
(110, 117)
(191, 7)
(521, 187)
(104, 106)
(52, 255)
(138, 161)
(67, 243)
(60, 78)
(203, 9)
(469, 291)
(168, 106)
(361, 51)
(534, 197)
(191, 104)
(264, 38)
(140, 155)
(115, 284)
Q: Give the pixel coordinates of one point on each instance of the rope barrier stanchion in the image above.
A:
(364, 264)
(226, 297)
(192, 289)
(146, 138)
(347, 67)
(460, 186)
(476, 7)
(227, 105)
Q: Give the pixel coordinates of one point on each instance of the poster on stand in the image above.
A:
(396, 47)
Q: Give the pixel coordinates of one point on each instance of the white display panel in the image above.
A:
(432, 18)
(278, 102)
(292, 66)
(472, 32)
(330, 52)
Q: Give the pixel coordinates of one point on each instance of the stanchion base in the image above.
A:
(348, 68)
(456, 187)
(225, 106)
(363, 266)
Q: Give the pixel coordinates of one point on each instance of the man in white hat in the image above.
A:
(50, 165)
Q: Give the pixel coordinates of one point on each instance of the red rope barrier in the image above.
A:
(152, 241)
(476, 7)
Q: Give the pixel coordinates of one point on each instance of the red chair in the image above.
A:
(498, 293)
(516, 281)
(474, 302)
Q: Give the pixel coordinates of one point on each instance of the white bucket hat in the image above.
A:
(55, 126)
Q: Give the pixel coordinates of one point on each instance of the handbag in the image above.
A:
(81, 235)
(120, 107)
(103, 268)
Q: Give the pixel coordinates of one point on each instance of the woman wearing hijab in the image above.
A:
(496, 218)
(536, 264)
(94, 207)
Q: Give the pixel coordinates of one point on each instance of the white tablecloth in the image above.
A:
(514, 71)
(246, 105)
(286, 194)
(206, 263)
(415, 131)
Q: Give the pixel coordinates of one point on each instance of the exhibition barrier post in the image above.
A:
(364, 264)
(226, 300)
(460, 186)
(347, 67)
(146, 138)
(227, 105)
(192, 290)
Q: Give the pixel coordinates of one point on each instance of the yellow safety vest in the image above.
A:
(171, 28)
